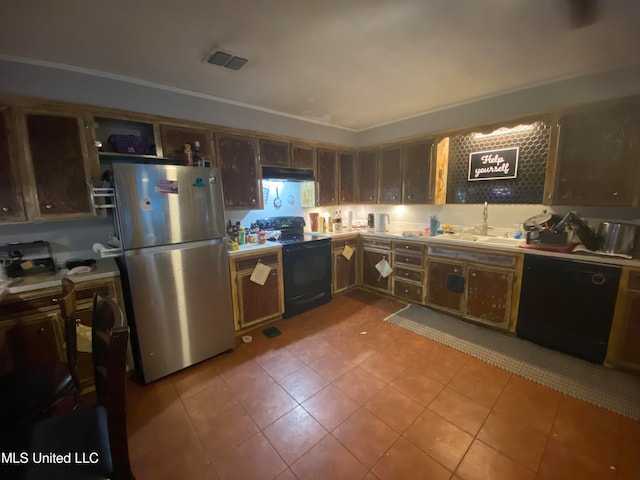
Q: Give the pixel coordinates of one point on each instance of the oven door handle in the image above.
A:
(305, 246)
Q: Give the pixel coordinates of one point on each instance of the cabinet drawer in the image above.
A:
(408, 291)
(406, 274)
(247, 263)
(376, 243)
(402, 258)
(634, 280)
(338, 245)
(406, 247)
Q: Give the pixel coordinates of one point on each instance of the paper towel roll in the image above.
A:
(349, 220)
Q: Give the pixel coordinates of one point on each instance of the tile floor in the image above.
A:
(325, 400)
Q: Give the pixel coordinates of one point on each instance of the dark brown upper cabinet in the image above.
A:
(273, 153)
(175, 137)
(327, 176)
(238, 160)
(11, 206)
(598, 157)
(57, 164)
(367, 174)
(390, 191)
(346, 161)
(417, 173)
(303, 156)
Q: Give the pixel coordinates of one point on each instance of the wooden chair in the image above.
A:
(99, 429)
(30, 392)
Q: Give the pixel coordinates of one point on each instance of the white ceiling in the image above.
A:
(348, 63)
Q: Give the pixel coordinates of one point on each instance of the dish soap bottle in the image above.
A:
(188, 155)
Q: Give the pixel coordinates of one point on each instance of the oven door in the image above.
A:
(307, 275)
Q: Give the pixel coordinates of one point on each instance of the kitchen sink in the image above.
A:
(513, 242)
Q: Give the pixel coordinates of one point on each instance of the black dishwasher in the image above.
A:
(568, 305)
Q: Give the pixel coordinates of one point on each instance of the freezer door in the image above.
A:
(165, 204)
(181, 299)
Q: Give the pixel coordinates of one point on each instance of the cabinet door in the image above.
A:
(239, 169)
(258, 302)
(347, 178)
(344, 272)
(390, 177)
(275, 154)
(367, 173)
(488, 295)
(303, 157)
(598, 156)
(174, 138)
(630, 350)
(327, 177)
(370, 275)
(437, 291)
(56, 147)
(33, 341)
(417, 174)
(85, 359)
(11, 207)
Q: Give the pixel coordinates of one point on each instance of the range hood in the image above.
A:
(287, 174)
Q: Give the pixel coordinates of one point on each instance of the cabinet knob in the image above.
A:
(615, 194)
(455, 270)
(42, 330)
(370, 197)
(394, 197)
(407, 247)
(48, 206)
(473, 274)
(409, 196)
(253, 201)
(406, 274)
(77, 322)
(5, 209)
(406, 290)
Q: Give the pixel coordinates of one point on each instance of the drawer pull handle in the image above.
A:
(42, 330)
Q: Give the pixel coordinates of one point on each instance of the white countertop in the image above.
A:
(254, 247)
(104, 268)
(445, 239)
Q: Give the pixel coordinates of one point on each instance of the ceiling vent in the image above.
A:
(224, 59)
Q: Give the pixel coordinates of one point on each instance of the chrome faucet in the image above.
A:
(485, 216)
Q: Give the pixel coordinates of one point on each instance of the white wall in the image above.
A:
(539, 99)
(76, 87)
(70, 239)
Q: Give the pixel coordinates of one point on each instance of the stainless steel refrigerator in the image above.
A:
(175, 266)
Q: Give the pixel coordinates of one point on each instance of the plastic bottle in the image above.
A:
(337, 222)
(188, 155)
(198, 159)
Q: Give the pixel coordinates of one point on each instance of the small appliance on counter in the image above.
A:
(25, 259)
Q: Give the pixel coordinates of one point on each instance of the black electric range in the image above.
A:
(306, 262)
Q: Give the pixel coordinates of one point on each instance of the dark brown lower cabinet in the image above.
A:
(438, 293)
(624, 342)
(254, 303)
(344, 270)
(32, 328)
(370, 275)
(488, 295)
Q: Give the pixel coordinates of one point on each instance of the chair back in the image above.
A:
(109, 344)
(67, 304)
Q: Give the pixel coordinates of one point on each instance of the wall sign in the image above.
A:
(494, 164)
